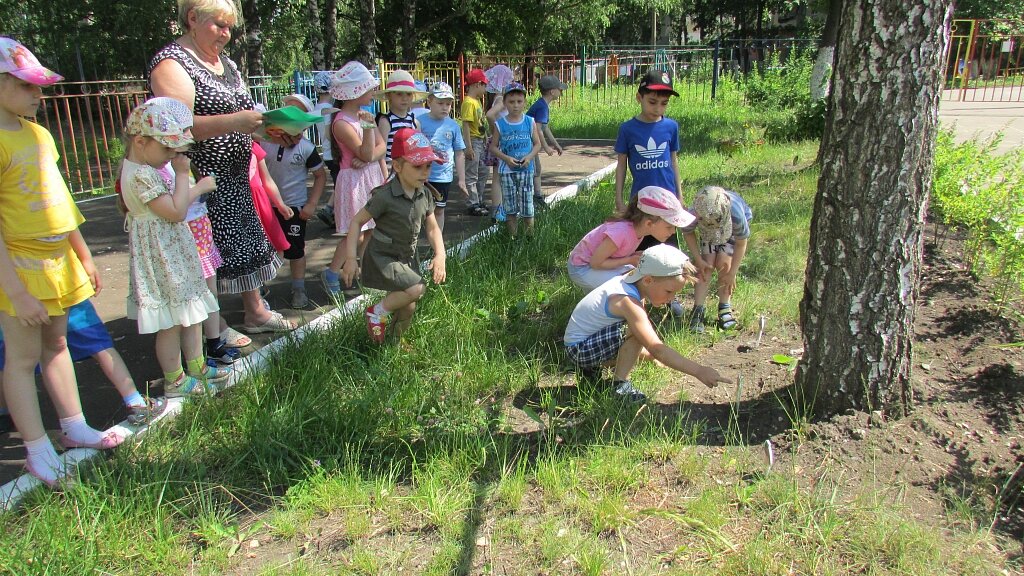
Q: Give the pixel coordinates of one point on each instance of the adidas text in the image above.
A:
(652, 165)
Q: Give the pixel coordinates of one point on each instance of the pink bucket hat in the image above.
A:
(352, 81)
(657, 201)
(498, 76)
(17, 61)
(166, 120)
(414, 148)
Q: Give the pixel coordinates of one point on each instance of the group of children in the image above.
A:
(393, 176)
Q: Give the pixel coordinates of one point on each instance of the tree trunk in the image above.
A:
(367, 33)
(315, 32)
(821, 72)
(331, 34)
(410, 36)
(864, 261)
(253, 37)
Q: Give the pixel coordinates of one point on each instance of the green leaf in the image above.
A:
(532, 414)
(783, 360)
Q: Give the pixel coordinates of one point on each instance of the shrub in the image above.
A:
(806, 122)
(780, 84)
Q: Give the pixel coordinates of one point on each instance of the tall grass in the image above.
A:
(423, 458)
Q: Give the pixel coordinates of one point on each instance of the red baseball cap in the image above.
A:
(412, 146)
(475, 76)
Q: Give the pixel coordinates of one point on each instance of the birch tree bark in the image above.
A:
(316, 35)
(821, 72)
(864, 261)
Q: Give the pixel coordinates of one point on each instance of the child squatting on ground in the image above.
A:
(516, 144)
(289, 160)
(45, 268)
(610, 250)
(723, 221)
(166, 290)
(399, 207)
(611, 324)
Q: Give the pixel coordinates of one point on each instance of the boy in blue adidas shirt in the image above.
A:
(648, 143)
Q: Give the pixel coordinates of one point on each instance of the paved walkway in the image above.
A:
(983, 119)
(108, 242)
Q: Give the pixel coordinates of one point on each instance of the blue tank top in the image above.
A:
(516, 141)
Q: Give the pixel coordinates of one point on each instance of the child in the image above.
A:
(322, 85)
(419, 105)
(723, 219)
(550, 90)
(399, 208)
(446, 138)
(647, 144)
(472, 116)
(610, 249)
(400, 90)
(166, 291)
(516, 144)
(498, 76)
(289, 161)
(610, 323)
(87, 336)
(355, 138)
(45, 268)
(266, 197)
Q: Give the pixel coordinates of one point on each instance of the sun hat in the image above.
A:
(351, 81)
(442, 91)
(322, 82)
(514, 87)
(658, 81)
(166, 120)
(657, 201)
(475, 76)
(498, 76)
(300, 101)
(17, 61)
(412, 146)
(550, 82)
(658, 261)
(400, 81)
(713, 209)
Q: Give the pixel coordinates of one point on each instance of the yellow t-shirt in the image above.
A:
(36, 215)
(473, 112)
(34, 199)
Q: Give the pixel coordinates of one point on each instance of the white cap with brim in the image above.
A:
(659, 261)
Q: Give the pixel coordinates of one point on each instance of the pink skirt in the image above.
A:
(209, 256)
(352, 191)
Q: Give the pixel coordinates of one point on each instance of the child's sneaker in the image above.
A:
(299, 298)
(222, 354)
(332, 283)
(540, 201)
(326, 215)
(146, 413)
(476, 210)
(374, 325)
(697, 320)
(625, 390)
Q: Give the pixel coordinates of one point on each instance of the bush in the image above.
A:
(806, 122)
(780, 85)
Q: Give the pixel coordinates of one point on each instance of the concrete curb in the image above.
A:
(12, 493)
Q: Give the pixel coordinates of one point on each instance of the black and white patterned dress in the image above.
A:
(249, 259)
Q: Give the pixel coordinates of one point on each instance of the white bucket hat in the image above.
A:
(352, 81)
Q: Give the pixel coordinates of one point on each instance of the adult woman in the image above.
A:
(191, 69)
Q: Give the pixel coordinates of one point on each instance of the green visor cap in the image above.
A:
(290, 119)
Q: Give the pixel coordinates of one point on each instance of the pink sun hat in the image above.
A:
(401, 81)
(17, 61)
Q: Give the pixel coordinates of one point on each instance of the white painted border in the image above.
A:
(14, 491)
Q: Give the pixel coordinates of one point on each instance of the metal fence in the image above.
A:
(984, 62)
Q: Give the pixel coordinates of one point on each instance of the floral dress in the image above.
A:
(249, 259)
(165, 285)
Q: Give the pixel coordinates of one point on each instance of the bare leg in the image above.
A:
(512, 222)
(57, 369)
(114, 368)
(212, 326)
(528, 225)
(255, 313)
(439, 215)
(24, 348)
(298, 268)
(192, 341)
(402, 304)
(168, 349)
(627, 358)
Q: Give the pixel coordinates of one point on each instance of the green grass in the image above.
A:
(365, 459)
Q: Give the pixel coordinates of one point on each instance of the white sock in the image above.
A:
(43, 460)
(379, 310)
(76, 429)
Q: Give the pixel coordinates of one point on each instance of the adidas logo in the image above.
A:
(652, 150)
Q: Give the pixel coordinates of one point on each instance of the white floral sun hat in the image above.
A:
(166, 120)
(352, 81)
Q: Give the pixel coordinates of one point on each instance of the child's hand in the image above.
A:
(635, 258)
(558, 148)
(29, 310)
(307, 211)
(620, 206)
(439, 270)
(710, 377)
(94, 276)
(181, 164)
(357, 163)
(549, 151)
(205, 185)
(349, 271)
(285, 211)
(365, 117)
